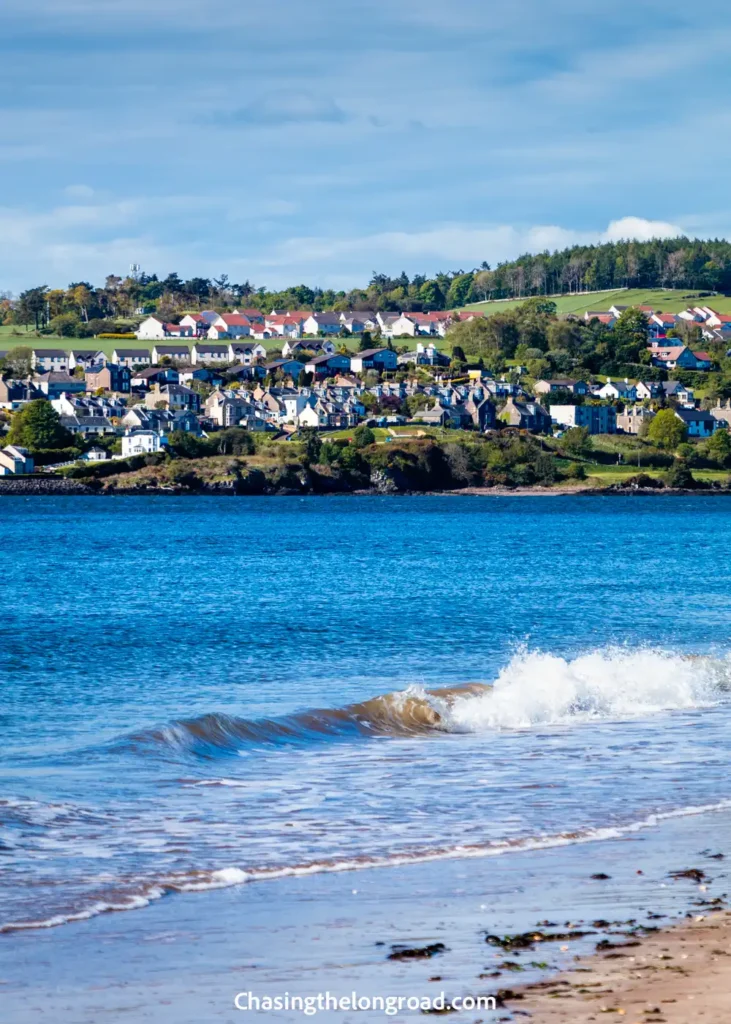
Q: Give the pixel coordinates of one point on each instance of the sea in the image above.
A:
(285, 698)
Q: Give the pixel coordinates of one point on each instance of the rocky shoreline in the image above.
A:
(54, 486)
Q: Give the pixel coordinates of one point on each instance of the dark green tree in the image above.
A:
(363, 436)
(38, 425)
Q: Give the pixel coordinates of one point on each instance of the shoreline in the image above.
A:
(40, 486)
(337, 933)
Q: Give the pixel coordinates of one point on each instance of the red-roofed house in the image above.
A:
(284, 325)
(671, 356)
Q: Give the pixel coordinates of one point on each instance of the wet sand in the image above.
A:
(183, 959)
(679, 976)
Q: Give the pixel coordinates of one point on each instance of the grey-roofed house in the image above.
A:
(178, 352)
(87, 426)
(132, 357)
(526, 415)
(53, 383)
(47, 360)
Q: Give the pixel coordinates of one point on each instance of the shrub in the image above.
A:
(681, 477)
(644, 480)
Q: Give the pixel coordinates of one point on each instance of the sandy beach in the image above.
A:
(678, 976)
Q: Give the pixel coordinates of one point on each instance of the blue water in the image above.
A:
(179, 675)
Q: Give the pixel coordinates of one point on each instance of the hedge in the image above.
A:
(126, 337)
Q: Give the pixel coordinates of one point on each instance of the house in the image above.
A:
(317, 348)
(357, 321)
(326, 365)
(52, 384)
(231, 325)
(674, 389)
(437, 416)
(649, 389)
(175, 397)
(621, 389)
(85, 358)
(526, 415)
(95, 454)
(14, 394)
(227, 409)
(161, 420)
(632, 420)
(284, 325)
(179, 353)
(141, 442)
(481, 411)
(15, 461)
(87, 426)
(576, 387)
(246, 353)
(151, 329)
(722, 413)
(373, 359)
(186, 374)
(47, 360)
(289, 367)
(110, 376)
(597, 419)
(199, 323)
(205, 352)
(322, 323)
(424, 355)
(132, 357)
(155, 375)
(699, 422)
(608, 319)
(671, 356)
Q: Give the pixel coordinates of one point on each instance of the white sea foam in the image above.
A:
(221, 878)
(537, 689)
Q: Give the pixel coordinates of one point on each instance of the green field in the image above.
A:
(11, 337)
(665, 301)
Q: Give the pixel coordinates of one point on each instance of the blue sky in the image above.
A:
(314, 142)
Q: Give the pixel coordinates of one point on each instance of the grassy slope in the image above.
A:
(9, 340)
(665, 301)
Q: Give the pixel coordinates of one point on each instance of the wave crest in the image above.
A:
(534, 689)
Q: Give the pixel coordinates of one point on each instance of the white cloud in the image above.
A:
(640, 229)
(457, 244)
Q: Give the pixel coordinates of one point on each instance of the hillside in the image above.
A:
(664, 300)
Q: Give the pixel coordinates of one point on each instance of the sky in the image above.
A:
(314, 142)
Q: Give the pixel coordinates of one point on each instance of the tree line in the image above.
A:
(83, 309)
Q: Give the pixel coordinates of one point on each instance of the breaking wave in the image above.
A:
(534, 689)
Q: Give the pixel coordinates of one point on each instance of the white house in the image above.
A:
(290, 348)
(313, 416)
(206, 352)
(234, 325)
(87, 358)
(48, 360)
(374, 359)
(180, 353)
(141, 442)
(246, 353)
(130, 357)
(283, 325)
(15, 461)
(617, 389)
(322, 323)
(151, 329)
